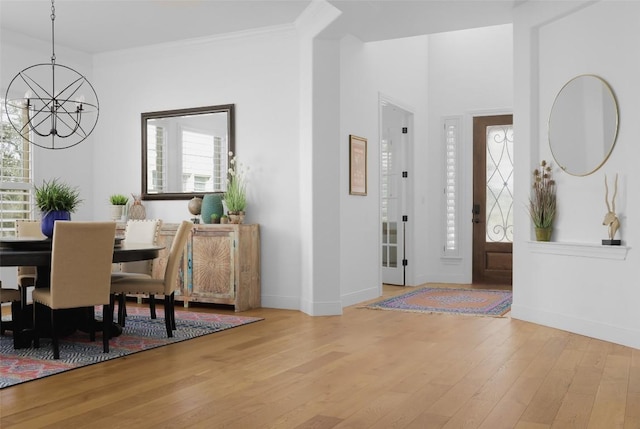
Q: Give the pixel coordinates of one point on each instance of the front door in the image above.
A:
(492, 199)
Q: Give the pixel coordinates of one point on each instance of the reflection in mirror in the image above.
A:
(583, 125)
(185, 153)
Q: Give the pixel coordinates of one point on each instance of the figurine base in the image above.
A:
(611, 242)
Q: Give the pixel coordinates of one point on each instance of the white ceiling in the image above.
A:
(94, 26)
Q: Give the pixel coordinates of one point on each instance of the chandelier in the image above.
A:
(58, 102)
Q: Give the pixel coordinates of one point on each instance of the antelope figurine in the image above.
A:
(610, 219)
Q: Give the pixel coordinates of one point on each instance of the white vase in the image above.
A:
(116, 212)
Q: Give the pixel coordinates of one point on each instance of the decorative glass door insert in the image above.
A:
(499, 174)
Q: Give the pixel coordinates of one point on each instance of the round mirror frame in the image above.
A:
(613, 137)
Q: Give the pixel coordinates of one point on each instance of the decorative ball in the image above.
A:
(195, 205)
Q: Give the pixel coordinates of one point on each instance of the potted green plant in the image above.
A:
(542, 204)
(118, 203)
(56, 201)
(215, 218)
(236, 196)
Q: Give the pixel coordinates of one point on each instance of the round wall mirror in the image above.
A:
(583, 125)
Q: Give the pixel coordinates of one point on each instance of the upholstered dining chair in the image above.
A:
(13, 296)
(27, 275)
(81, 258)
(139, 231)
(165, 286)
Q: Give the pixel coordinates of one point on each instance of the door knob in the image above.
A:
(476, 213)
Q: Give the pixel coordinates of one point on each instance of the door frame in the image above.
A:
(409, 249)
(480, 247)
(466, 231)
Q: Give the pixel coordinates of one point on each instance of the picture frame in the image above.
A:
(357, 165)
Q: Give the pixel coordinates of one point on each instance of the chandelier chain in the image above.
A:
(53, 33)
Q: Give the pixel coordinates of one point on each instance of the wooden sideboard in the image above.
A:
(221, 264)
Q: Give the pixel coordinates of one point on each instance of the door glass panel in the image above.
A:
(393, 257)
(499, 173)
(393, 232)
(389, 191)
(390, 244)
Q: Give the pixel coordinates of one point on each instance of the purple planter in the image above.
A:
(49, 218)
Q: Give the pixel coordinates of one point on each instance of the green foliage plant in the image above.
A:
(118, 200)
(54, 195)
(542, 203)
(236, 196)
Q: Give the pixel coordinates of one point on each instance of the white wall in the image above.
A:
(258, 72)
(583, 292)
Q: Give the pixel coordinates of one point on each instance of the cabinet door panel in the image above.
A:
(212, 273)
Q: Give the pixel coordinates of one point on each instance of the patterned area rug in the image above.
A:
(140, 333)
(475, 302)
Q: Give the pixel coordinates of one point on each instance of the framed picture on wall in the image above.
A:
(357, 165)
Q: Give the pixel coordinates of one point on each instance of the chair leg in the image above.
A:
(23, 296)
(16, 318)
(152, 305)
(107, 319)
(36, 333)
(91, 315)
(173, 311)
(112, 303)
(167, 315)
(54, 335)
(122, 298)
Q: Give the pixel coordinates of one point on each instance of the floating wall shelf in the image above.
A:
(585, 250)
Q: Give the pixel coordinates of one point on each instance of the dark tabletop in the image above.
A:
(12, 254)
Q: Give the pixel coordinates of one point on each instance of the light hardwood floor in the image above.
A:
(364, 369)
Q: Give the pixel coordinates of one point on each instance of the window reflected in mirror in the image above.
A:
(186, 152)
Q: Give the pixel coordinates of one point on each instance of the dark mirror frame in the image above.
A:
(228, 108)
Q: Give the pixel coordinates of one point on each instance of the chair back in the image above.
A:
(81, 263)
(27, 228)
(175, 256)
(141, 231)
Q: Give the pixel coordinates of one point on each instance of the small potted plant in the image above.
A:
(215, 218)
(56, 201)
(542, 204)
(224, 219)
(118, 203)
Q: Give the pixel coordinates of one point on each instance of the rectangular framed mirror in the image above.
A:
(185, 152)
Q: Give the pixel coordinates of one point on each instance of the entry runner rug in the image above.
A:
(140, 333)
(475, 302)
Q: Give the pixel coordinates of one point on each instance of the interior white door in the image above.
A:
(394, 139)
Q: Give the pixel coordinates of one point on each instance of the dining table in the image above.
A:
(16, 251)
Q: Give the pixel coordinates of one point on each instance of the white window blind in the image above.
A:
(452, 149)
(200, 151)
(16, 176)
(155, 158)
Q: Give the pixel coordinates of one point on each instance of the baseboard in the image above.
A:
(602, 331)
(360, 296)
(281, 302)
